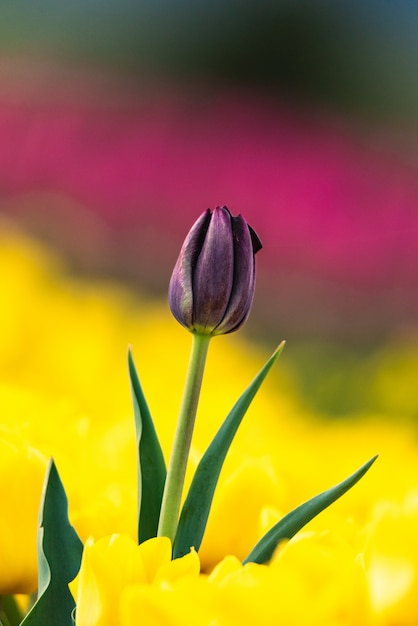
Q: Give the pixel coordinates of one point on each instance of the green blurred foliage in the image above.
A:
(361, 55)
(339, 381)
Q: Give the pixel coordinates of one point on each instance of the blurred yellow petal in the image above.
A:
(242, 512)
(392, 562)
(22, 472)
(328, 573)
(269, 516)
(222, 570)
(188, 603)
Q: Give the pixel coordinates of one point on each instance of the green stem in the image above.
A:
(176, 471)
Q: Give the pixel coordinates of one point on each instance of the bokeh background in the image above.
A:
(120, 122)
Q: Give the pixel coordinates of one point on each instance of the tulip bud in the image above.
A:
(212, 285)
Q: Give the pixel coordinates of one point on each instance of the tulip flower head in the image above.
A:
(212, 285)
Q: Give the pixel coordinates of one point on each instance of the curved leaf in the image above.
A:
(296, 519)
(151, 464)
(196, 508)
(59, 557)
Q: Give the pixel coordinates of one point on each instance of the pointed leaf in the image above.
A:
(196, 508)
(151, 464)
(296, 519)
(59, 557)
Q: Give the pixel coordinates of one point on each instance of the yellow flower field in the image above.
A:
(64, 392)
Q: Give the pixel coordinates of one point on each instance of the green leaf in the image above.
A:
(296, 519)
(196, 508)
(151, 465)
(59, 557)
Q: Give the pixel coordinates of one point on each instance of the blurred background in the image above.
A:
(120, 122)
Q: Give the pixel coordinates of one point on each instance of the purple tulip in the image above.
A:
(212, 285)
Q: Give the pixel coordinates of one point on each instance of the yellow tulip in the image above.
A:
(315, 580)
(113, 564)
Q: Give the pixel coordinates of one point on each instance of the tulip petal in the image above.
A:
(244, 276)
(214, 273)
(180, 291)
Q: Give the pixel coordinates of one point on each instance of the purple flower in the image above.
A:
(212, 285)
